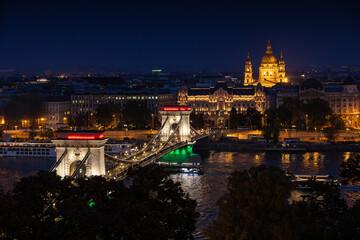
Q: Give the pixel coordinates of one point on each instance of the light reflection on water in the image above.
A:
(26, 165)
(210, 186)
(12, 169)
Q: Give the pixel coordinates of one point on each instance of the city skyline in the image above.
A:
(177, 36)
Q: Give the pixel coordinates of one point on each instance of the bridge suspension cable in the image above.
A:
(56, 164)
(81, 164)
(171, 136)
(192, 128)
(148, 144)
(158, 133)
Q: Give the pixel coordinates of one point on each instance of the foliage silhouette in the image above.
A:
(148, 205)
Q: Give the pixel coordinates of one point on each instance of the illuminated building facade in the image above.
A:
(56, 111)
(344, 99)
(217, 102)
(87, 102)
(271, 71)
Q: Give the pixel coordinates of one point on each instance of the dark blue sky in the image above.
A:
(175, 35)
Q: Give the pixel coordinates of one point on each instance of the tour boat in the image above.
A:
(303, 182)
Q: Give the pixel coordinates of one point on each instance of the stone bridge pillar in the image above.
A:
(77, 144)
(173, 116)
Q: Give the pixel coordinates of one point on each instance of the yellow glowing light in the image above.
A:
(42, 119)
(286, 79)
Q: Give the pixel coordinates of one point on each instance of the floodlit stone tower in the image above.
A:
(79, 152)
(170, 118)
(248, 80)
(282, 77)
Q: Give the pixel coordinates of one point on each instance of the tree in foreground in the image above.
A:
(257, 206)
(148, 205)
(350, 169)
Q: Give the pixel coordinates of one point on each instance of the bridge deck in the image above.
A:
(120, 171)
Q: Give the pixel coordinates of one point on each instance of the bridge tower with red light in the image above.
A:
(175, 120)
(79, 153)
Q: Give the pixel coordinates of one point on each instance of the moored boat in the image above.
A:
(304, 182)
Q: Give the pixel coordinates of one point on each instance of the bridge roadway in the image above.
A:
(119, 172)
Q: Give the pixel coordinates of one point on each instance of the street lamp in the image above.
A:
(152, 123)
(265, 119)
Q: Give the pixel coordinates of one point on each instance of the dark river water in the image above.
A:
(210, 186)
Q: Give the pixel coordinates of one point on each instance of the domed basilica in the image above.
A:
(271, 71)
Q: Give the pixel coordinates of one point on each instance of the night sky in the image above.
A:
(138, 36)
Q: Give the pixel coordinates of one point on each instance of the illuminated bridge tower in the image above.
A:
(175, 119)
(79, 153)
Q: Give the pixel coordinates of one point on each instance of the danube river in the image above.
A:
(207, 188)
(210, 186)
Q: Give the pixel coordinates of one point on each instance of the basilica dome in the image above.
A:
(269, 57)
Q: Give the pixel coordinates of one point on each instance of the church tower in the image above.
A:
(248, 80)
(271, 71)
(282, 77)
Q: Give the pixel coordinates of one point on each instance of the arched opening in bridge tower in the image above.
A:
(82, 170)
(173, 128)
